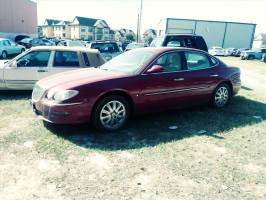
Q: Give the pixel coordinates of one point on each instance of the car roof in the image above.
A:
(165, 49)
(64, 48)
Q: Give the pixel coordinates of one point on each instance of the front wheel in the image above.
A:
(221, 95)
(4, 54)
(111, 113)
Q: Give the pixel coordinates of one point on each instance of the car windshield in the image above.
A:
(128, 62)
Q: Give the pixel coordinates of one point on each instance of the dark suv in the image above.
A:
(109, 49)
(180, 40)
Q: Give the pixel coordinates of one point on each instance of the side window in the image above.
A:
(34, 59)
(66, 59)
(6, 43)
(171, 62)
(197, 61)
(86, 59)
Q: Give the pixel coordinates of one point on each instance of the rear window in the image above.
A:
(105, 47)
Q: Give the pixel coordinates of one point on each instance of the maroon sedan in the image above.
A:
(141, 80)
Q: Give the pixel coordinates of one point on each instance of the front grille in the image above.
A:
(37, 92)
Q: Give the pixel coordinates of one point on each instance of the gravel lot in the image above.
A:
(212, 153)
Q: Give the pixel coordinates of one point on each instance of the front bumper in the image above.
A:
(71, 113)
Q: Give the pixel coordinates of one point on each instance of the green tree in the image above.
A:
(130, 37)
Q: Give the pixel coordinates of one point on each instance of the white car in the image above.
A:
(217, 51)
(23, 71)
(7, 47)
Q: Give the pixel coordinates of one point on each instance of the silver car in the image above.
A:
(23, 71)
(7, 48)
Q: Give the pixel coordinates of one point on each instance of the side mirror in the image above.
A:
(155, 69)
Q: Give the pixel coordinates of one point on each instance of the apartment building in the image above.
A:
(18, 18)
(81, 28)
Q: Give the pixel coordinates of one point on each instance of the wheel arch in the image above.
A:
(115, 92)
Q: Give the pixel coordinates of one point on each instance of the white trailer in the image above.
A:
(215, 33)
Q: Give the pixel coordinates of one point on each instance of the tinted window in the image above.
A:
(105, 47)
(66, 59)
(86, 59)
(34, 59)
(7, 43)
(171, 62)
(197, 61)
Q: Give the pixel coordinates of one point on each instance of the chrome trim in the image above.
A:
(173, 91)
(53, 103)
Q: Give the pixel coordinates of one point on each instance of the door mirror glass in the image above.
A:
(155, 69)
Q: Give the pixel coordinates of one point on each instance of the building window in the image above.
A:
(106, 31)
(90, 29)
(64, 35)
(64, 27)
(83, 30)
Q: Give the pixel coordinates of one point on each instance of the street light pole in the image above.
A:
(139, 22)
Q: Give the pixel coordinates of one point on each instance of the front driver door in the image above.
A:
(164, 89)
(24, 76)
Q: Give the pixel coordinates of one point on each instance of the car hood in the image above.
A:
(75, 78)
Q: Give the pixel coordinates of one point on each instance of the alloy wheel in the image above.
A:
(4, 55)
(221, 96)
(113, 114)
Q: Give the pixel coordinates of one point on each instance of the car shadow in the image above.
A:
(15, 94)
(157, 128)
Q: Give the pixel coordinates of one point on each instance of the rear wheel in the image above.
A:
(111, 113)
(221, 95)
(251, 57)
(4, 55)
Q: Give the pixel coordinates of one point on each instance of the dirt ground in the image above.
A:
(211, 153)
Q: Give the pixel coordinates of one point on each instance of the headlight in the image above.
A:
(61, 95)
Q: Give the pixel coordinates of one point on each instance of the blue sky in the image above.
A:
(123, 13)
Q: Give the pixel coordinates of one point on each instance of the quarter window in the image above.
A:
(34, 59)
(171, 62)
(66, 59)
(197, 61)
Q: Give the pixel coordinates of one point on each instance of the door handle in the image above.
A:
(214, 75)
(42, 70)
(179, 79)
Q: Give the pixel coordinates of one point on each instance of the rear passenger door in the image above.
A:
(200, 77)
(65, 61)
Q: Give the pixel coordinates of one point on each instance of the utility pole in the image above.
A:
(139, 23)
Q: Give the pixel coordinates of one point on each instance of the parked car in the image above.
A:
(34, 42)
(140, 80)
(135, 45)
(23, 71)
(238, 52)
(217, 51)
(180, 40)
(7, 48)
(229, 51)
(71, 43)
(109, 49)
(252, 54)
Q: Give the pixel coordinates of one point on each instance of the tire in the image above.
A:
(264, 59)
(4, 55)
(250, 57)
(105, 118)
(221, 95)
